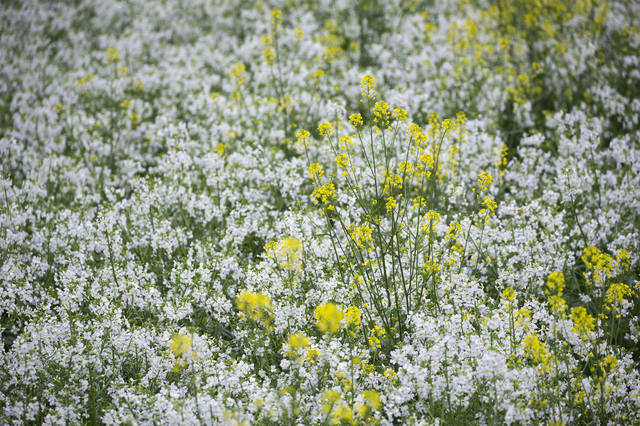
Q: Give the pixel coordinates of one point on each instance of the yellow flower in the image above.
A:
(609, 363)
(616, 296)
(555, 289)
(341, 414)
(353, 316)
(558, 305)
(381, 114)
(84, 80)
(484, 180)
(361, 235)
(329, 317)
(368, 85)
(325, 193)
(448, 125)
(289, 254)
(535, 349)
(317, 76)
(268, 53)
(112, 56)
(276, 20)
(343, 163)
(255, 306)
(330, 397)
(316, 172)
(355, 120)
(400, 114)
(325, 129)
(490, 205)
(392, 180)
(180, 344)
(371, 402)
(312, 355)
(303, 138)
(297, 341)
(346, 142)
(555, 283)
(508, 294)
(238, 75)
(623, 261)
(391, 204)
(583, 323)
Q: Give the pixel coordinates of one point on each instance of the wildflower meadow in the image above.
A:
(358, 212)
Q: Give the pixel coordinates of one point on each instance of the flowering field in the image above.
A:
(320, 212)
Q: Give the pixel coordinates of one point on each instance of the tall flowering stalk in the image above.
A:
(389, 256)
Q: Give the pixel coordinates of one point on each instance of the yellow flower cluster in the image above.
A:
(400, 115)
(325, 129)
(508, 295)
(616, 296)
(431, 220)
(484, 180)
(316, 172)
(601, 265)
(288, 254)
(555, 289)
(268, 53)
(583, 323)
(368, 85)
(623, 261)
(297, 343)
(381, 115)
(597, 260)
(370, 402)
(84, 80)
(317, 76)
(361, 235)
(112, 56)
(276, 21)
(374, 339)
(490, 205)
(536, 350)
(391, 203)
(392, 180)
(303, 138)
(180, 344)
(353, 316)
(344, 164)
(325, 193)
(608, 364)
(238, 77)
(255, 306)
(339, 412)
(345, 144)
(328, 317)
(356, 120)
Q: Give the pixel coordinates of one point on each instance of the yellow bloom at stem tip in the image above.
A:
(255, 306)
(297, 341)
(180, 344)
(328, 317)
(112, 56)
(368, 85)
(325, 129)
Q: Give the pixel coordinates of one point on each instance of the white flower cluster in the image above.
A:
(209, 216)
